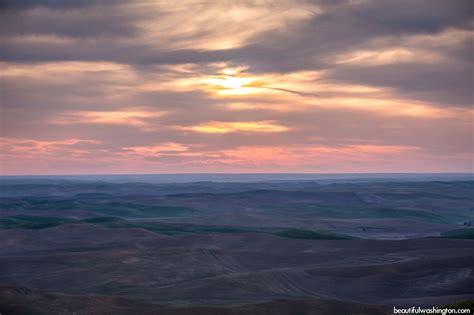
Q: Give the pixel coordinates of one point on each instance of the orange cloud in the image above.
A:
(304, 90)
(262, 126)
(271, 106)
(284, 92)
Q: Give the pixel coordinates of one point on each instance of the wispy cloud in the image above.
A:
(125, 117)
(219, 127)
(156, 150)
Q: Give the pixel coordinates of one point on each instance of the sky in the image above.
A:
(195, 86)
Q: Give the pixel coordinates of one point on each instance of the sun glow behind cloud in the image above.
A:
(232, 85)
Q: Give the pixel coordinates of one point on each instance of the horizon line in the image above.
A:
(244, 173)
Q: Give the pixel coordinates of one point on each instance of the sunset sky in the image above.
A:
(95, 87)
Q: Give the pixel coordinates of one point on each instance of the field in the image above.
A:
(76, 246)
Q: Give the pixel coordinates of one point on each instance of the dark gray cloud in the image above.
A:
(348, 27)
(114, 50)
(344, 29)
(53, 4)
(448, 83)
(414, 16)
(304, 45)
(89, 19)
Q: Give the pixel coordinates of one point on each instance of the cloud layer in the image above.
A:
(253, 86)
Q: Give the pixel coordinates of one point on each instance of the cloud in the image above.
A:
(19, 151)
(313, 155)
(394, 45)
(167, 148)
(52, 4)
(326, 85)
(80, 22)
(359, 157)
(444, 84)
(219, 127)
(125, 117)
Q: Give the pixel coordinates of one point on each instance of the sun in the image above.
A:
(230, 82)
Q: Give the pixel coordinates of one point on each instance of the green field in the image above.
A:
(459, 233)
(348, 212)
(35, 223)
(98, 204)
